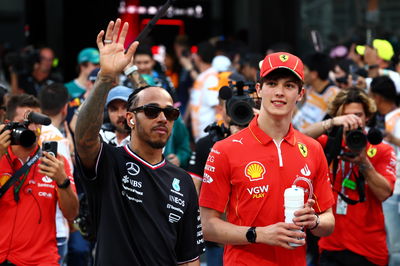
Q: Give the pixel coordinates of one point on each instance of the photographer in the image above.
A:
(364, 178)
(32, 70)
(28, 206)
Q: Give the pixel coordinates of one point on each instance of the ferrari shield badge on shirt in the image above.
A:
(371, 152)
(303, 149)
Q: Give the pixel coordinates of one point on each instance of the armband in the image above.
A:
(131, 69)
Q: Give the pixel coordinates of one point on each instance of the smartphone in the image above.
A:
(50, 147)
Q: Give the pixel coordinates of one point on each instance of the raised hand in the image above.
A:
(113, 58)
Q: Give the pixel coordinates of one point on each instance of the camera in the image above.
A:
(20, 134)
(217, 132)
(22, 62)
(356, 141)
(239, 104)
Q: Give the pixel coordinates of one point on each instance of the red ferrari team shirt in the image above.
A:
(246, 176)
(28, 230)
(360, 228)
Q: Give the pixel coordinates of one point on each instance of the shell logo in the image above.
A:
(254, 171)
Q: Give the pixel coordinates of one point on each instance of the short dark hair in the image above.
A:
(144, 50)
(384, 86)
(53, 98)
(206, 51)
(282, 73)
(319, 62)
(21, 100)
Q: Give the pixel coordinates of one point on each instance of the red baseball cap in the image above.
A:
(282, 60)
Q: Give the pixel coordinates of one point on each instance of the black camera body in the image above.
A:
(23, 62)
(356, 141)
(239, 104)
(20, 134)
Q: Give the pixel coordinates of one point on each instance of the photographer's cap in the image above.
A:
(383, 48)
(282, 60)
(89, 55)
(118, 93)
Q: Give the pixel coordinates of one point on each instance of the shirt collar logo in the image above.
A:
(175, 184)
(254, 171)
(303, 149)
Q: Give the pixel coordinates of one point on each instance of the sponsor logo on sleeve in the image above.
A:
(254, 171)
(303, 149)
(215, 151)
(209, 168)
(207, 178)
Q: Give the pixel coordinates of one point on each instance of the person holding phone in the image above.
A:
(29, 204)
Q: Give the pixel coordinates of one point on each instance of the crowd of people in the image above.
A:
(142, 161)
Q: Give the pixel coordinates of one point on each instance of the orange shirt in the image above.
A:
(28, 231)
(246, 175)
(362, 229)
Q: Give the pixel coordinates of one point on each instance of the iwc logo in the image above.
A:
(254, 171)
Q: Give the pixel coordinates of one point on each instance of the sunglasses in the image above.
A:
(153, 112)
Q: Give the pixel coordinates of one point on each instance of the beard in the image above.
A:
(144, 136)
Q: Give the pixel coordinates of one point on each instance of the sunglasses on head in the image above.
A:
(152, 111)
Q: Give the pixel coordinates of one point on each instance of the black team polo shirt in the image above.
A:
(143, 214)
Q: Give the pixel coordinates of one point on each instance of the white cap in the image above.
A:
(221, 63)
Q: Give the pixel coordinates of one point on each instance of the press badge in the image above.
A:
(341, 206)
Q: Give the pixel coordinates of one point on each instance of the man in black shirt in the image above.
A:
(145, 210)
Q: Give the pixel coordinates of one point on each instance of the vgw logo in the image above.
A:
(258, 192)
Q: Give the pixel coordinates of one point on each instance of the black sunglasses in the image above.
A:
(153, 112)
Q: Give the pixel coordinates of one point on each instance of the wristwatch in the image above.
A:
(64, 184)
(251, 235)
(316, 223)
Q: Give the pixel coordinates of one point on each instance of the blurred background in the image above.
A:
(69, 26)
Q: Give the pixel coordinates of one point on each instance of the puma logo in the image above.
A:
(238, 140)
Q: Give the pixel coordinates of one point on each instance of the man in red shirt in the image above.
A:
(247, 173)
(360, 236)
(28, 207)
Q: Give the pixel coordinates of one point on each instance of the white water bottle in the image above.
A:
(294, 200)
